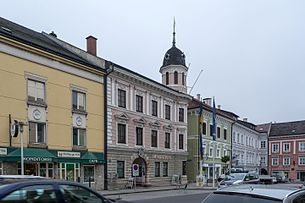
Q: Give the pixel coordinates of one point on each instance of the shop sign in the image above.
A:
(93, 161)
(38, 159)
(68, 154)
(161, 157)
(3, 151)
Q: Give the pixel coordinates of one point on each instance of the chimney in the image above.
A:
(245, 119)
(219, 106)
(198, 97)
(91, 45)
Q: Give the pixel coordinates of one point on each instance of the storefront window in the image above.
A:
(50, 171)
(69, 171)
(1, 168)
(88, 172)
(43, 169)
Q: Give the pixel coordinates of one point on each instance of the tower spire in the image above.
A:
(174, 33)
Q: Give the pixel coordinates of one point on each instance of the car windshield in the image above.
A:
(240, 198)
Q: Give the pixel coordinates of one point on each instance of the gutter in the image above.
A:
(109, 69)
(232, 143)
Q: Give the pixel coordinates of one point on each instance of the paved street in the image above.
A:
(165, 196)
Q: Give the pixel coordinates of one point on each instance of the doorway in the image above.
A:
(142, 178)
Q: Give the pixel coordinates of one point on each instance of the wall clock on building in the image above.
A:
(79, 121)
(36, 114)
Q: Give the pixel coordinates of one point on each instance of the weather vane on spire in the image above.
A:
(174, 33)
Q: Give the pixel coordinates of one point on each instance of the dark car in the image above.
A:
(256, 194)
(24, 189)
(239, 178)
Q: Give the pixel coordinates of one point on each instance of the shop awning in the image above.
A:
(31, 154)
(92, 157)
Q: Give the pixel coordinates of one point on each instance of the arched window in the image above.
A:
(175, 77)
(183, 78)
(166, 78)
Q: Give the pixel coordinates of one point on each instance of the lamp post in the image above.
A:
(21, 125)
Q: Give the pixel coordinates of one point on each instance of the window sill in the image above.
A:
(36, 103)
(38, 145)
(79, 112)
(79, 148)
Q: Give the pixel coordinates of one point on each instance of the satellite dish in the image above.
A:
(14, 128)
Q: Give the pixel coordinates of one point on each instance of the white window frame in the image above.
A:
(286, 161)
(94, 173)
(211, 154)
(301, 146)
(263, 160)
(275, 161)
(218, 151)
(284, 148)
(263, 144)
(273, 150)
(85, 137)
(301, 161)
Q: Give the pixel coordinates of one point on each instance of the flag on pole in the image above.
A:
(200, 129)
(214, 120)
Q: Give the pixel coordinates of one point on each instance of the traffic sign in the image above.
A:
(135, 170)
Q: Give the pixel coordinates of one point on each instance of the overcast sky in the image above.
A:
(252, 52)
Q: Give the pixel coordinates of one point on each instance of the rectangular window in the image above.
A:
(181, 114)
(218, 132)
(139, 103)
(139, 132)
(165, 169)
(225, 134)
(157, 169)
(120, 169)
(167, 112)
(154, 138)
(121, 133)
(263, 160)
(301, 161)
(36, 91)
(263, 144)
(122, 98)
(286, 161)
(167, 140)
(204, 128)
(211, 130)
(78, 101)
(181, 141)
(183, 167)
(301, 146)
(1, 168)
(218, 153)
(88, 173)
(275, 161)
(275, 148)
(211, 152)
(154, 108)
(79, 136)
(37, 132)
(286, 147)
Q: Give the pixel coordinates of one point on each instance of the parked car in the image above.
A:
(280, 176)
(239, 178)
(23, 189)
(256, 194)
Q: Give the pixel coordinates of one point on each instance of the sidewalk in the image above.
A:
(191, 186)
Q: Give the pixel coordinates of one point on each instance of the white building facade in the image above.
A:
(245, 146)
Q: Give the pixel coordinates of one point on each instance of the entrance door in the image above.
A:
(30, 169)
(141, 179)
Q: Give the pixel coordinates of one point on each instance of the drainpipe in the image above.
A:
(109, 69)
(232, 143)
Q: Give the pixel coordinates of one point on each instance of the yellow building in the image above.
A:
(59, 96)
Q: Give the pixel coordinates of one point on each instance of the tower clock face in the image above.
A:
(36, 114)
(79, 121)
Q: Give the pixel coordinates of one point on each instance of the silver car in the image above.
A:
(256, 194)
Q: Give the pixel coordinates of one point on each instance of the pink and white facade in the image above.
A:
(156, 142)
(286, 149)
